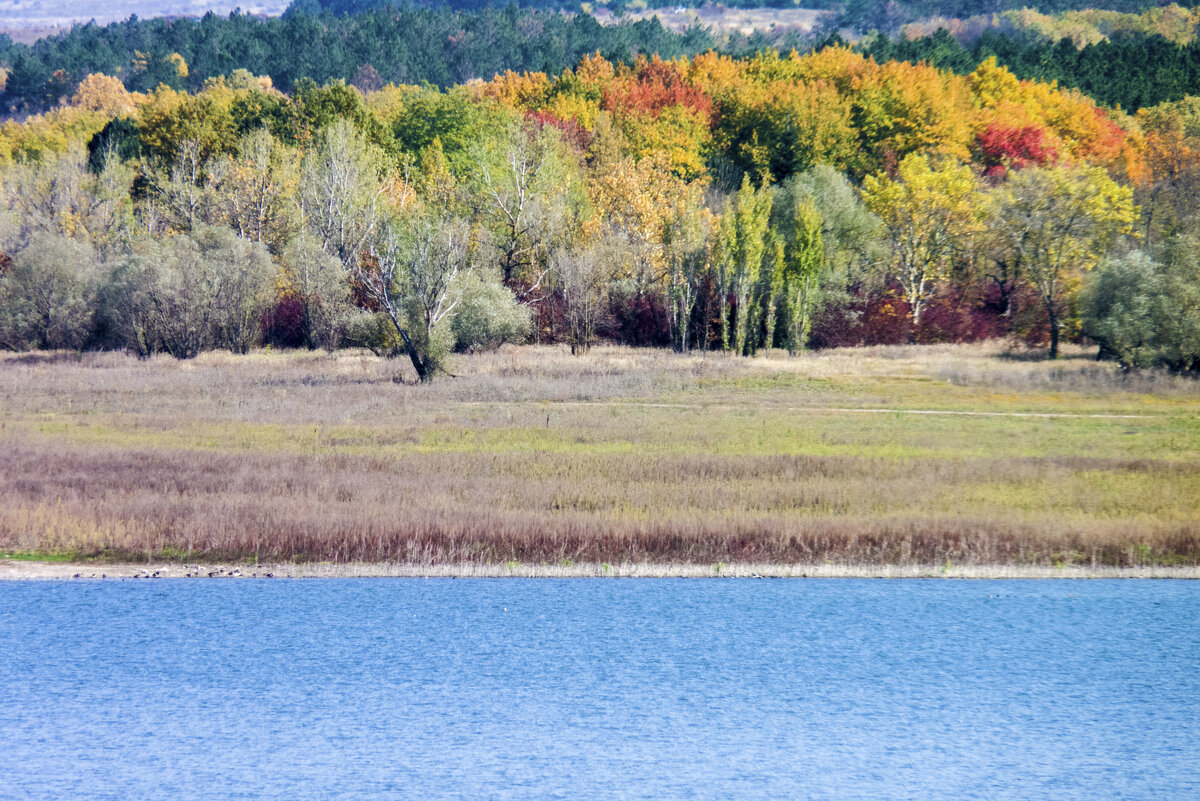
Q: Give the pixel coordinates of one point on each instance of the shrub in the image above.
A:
(488, 316)
(321, 289)
(284, 322)
(244, 273)
(128, 309)
(374, 331)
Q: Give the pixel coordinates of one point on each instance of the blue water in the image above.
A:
(600, 689)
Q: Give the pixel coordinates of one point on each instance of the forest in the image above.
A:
(1131, 71)
(412, 46)
(704, 203)
(1131, 61)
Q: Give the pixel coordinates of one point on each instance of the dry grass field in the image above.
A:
(966, 455)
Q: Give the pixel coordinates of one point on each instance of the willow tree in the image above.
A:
(403, 263)
(48, 294)
(410, 275)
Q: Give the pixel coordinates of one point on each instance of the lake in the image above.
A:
(600, 689)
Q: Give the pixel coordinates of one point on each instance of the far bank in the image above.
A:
(13, 570)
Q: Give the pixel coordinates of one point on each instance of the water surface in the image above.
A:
(600, 689)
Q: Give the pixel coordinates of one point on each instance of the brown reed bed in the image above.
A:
(531, 456)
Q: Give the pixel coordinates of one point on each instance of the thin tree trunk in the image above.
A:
(1053, 331)
(916, 323)
(769, 324)
(724, 321)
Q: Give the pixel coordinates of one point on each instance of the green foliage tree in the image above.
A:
(456, 119)
(773, 282)
(850, 233)
(687, 252)
(743, 238)
(803, 265)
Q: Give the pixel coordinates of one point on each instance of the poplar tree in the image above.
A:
(802, 270)
(687, 235)
(743, 244)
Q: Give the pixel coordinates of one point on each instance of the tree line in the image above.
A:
(446, 47)
(706, 203)
(865, 15)
(1084, 26)
(387, 45)
(1132, 71)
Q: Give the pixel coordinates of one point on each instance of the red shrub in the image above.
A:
(284, 322)
(638, 320)
(882, 318)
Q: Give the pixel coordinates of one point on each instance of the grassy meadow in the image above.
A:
(924, 455)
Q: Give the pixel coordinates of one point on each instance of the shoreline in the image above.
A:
(19, 570)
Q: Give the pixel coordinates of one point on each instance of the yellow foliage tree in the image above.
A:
(106, 95)
(930, 211)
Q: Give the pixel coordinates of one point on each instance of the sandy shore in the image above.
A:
(23, 570)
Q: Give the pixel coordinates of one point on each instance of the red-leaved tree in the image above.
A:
(1002, 148)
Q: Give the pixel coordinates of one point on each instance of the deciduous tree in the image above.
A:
(803, 263)
(743, 239)
(930, 211)
(410, 275)
(1060, 221)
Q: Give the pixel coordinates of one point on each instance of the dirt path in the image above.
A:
(852, 410)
